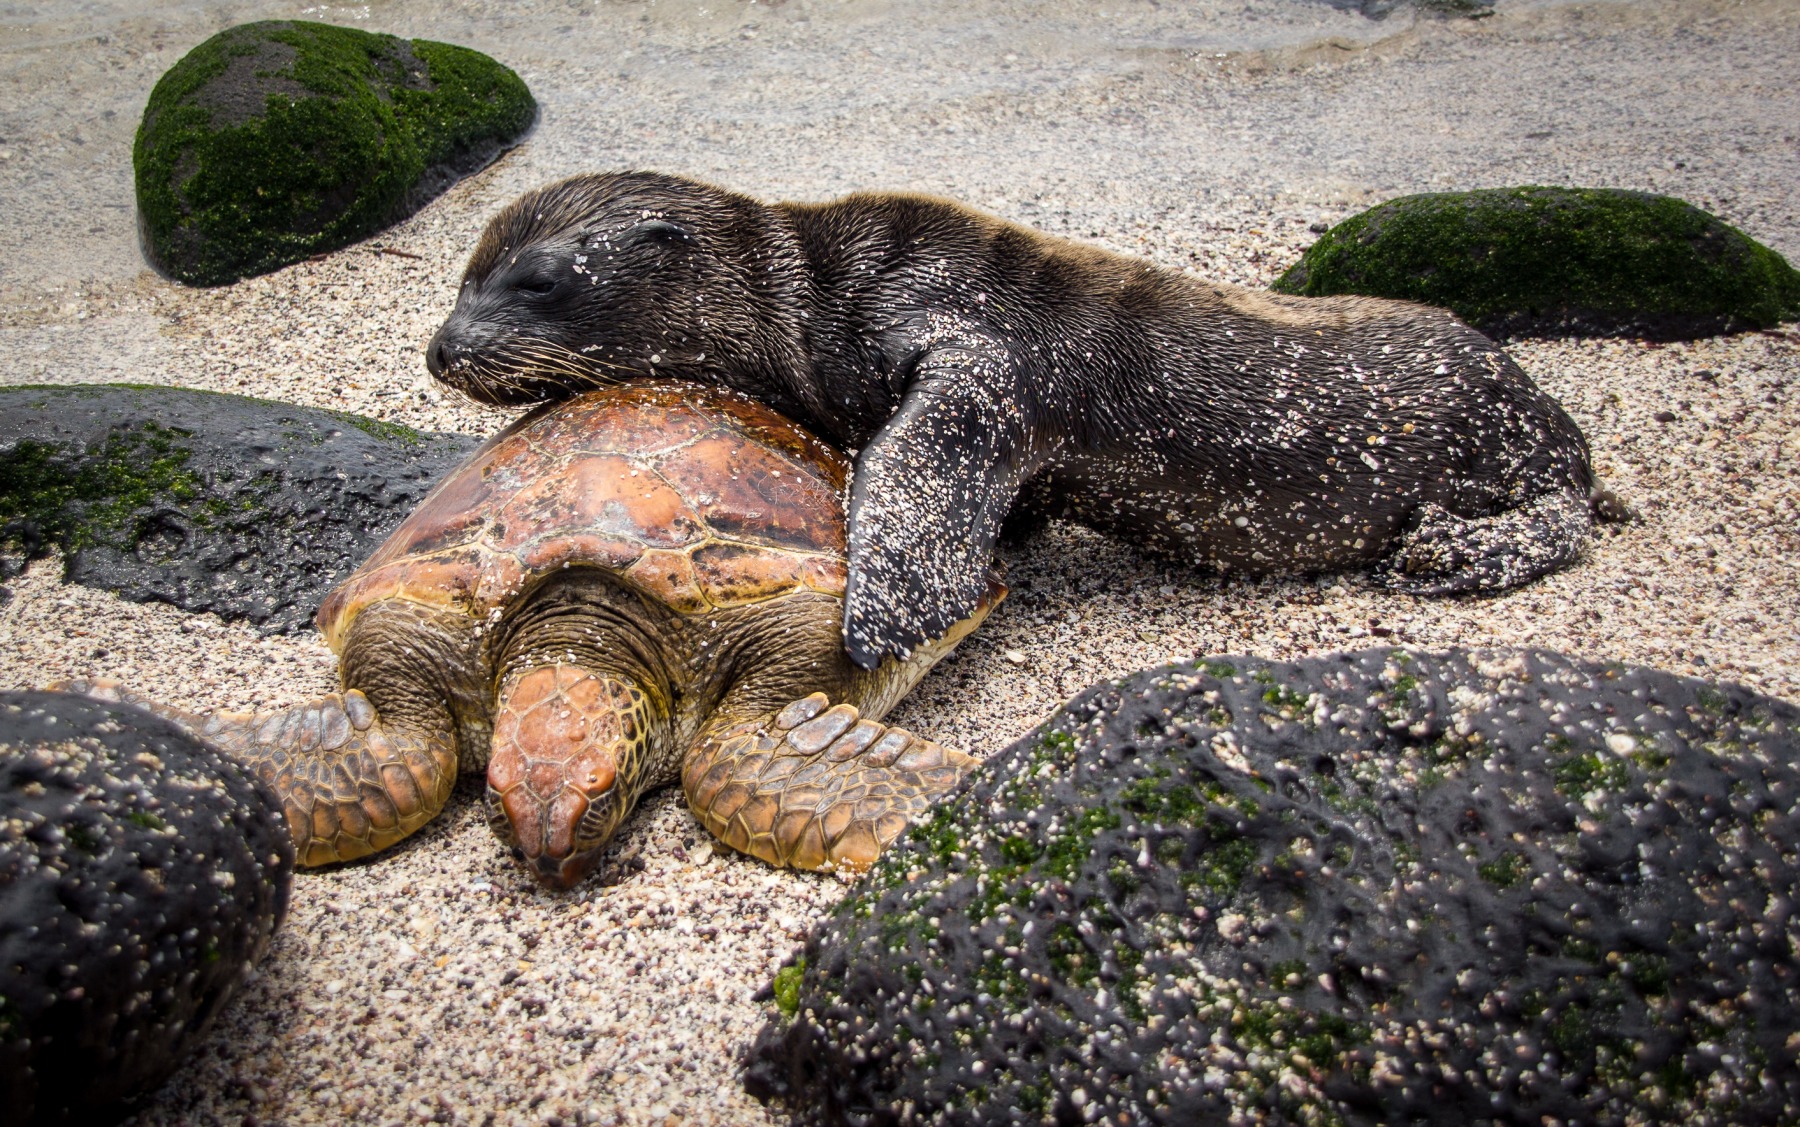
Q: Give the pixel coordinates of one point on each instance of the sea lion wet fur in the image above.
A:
(975, 363)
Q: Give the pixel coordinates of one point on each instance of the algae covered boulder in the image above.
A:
(278, 140)
(210, 502)
(1381, 887)
(142, 873)
(1556, 261)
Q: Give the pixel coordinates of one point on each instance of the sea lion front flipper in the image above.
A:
(930, 492)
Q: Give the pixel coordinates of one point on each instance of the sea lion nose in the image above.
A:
(437, 355)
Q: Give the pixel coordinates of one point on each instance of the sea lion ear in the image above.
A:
(660, 231)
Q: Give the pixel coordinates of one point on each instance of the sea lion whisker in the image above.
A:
(543, 346)
(582, 376)
(550, 357)
(535, 353)
(492, 379)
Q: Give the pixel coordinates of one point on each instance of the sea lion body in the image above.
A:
(974, 363)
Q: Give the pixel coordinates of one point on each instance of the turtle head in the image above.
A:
(567, 756)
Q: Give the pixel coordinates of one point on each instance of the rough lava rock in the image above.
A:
(211, 502)
(1380, 887)
(1540, 261)
(274, 141)
(1382, 9)
(142, 874)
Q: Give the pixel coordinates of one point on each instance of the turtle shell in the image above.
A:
(695, 496)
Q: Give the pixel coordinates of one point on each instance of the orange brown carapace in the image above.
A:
(616, 479)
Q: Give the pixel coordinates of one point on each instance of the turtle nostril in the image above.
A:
(555, 874)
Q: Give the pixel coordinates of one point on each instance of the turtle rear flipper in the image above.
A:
(812, 787)
(349, 786)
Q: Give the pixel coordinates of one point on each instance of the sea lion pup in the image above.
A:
(973, 361)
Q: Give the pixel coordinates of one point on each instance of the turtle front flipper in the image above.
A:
(812, 787)
(349, 785)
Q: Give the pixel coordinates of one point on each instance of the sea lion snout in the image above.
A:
(459, 354)
(448, 354)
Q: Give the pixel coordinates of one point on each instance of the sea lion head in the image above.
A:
(597, 279)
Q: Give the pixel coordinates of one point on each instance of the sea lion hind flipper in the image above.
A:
(1444, 554)
(930, 493)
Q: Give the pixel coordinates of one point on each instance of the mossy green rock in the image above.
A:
(1488, 887)
(274, 141)
(1557, 262)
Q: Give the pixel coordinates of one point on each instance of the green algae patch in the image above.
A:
(786, 987)
(1541, 261)
(382, 429)
(98, 500)
(274, 141)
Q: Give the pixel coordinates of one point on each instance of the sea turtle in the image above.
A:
(641, 583)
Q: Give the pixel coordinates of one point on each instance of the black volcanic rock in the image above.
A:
(1381, 887)
(274, 141)
(210, 502)
(142, 873)
(1547, 261)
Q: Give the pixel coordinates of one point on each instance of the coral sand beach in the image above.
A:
(438, 982)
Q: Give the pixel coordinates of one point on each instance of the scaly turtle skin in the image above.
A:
(640, 584)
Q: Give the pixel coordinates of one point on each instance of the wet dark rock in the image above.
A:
(142, 874)
(1557, 262)
(1382, 887)
(211, 502)
(1382, 9)
(274, 141)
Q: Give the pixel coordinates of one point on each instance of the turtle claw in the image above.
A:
(823, 730)
(801, 711)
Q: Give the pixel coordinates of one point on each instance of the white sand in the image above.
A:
(438, 980)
